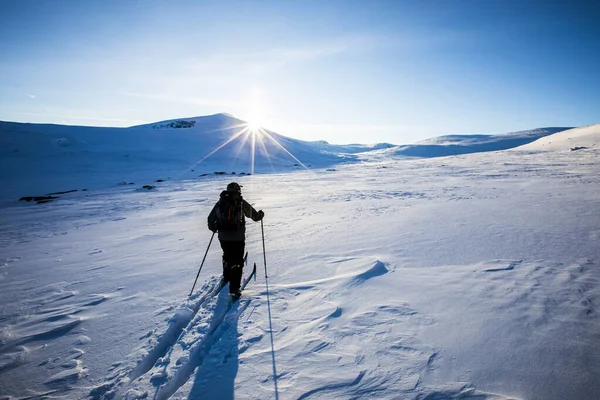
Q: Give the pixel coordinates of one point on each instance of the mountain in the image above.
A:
(38, 159)
(41, 158)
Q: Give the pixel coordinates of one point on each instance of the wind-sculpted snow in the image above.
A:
(376, 270)
(51, 313)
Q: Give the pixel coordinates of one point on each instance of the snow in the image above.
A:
(472, 276)
(465, 144)
(574, 139)
(41, 159)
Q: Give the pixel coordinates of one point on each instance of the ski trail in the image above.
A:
(182, 317)
(204, 308)
(229, 313)
(226, 313)
(177, 324)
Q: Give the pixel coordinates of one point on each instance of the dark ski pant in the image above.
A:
(233, 262)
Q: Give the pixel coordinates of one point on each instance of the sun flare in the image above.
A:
(252, 136)
(254, 125)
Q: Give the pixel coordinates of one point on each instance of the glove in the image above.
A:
(212, 227)
(261, 215)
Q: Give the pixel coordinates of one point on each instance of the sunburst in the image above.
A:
(254, 131)
(254, 126)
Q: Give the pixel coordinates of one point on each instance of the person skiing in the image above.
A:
(228, 218)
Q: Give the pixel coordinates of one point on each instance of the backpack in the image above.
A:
(230, 216)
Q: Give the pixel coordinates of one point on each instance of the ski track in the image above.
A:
(195, 327)
(186, 315)
(177, 325)
(197, 354)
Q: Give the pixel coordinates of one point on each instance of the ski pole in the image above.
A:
(211, 239)
(262, 229)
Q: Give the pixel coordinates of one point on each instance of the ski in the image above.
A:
(247, 280)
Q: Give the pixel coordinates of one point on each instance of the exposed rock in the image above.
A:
(38, 199)
(65, 192)
(176, 124)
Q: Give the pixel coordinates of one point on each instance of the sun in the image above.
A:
(256, 122)
(254, 125)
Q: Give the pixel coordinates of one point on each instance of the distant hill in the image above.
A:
(451, 145)
(41, 158)
(587, 137)
(38, 159)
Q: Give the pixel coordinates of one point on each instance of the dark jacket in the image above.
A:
(238, 234)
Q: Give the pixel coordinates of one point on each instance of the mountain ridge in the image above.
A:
(45, 158)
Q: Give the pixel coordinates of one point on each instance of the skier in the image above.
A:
(228, 218)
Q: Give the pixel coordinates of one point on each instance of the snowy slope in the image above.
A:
(471, 277)
(37, 159)
(464, 144)
(587, 137)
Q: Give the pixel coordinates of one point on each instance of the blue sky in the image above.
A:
(343, 71)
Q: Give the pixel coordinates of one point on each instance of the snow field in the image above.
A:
(467, 277)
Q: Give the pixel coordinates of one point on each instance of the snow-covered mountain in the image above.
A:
(582, 138)
(38, 159)
(450, 145)
(469, 277)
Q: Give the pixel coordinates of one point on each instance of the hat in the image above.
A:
(234, 187)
